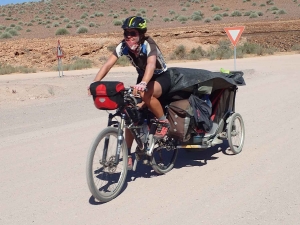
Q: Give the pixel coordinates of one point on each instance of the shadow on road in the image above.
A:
(184, 159)
(199, 157)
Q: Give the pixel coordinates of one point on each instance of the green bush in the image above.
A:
(196, 16)
(62, 31)
(217, 17)
(5, 35)
(260, 13)
(296, 47)
(117, 22)
(92, 24)
(247, 13)
(223, 50)
(143, 10)
(273, 8)
(111, 48)
(123, 61)
(260, 50)
(8, 69)
(211, 53)
(13, 32)
(197, 53)
(253, 15)
(239, 53)
(55, 24)
(180, 52)
(78, 65)
(182, 18)
(98, 14)
(82, 30)
(281, 11)
(216, 8)
(207, 20)
(171, 12)
(249, 48)
(236, 13)
(83, 16)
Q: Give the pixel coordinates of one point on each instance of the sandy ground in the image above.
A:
(48, 125)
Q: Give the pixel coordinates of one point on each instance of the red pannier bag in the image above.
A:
(107, 95)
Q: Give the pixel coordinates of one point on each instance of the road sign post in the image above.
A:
(234, 34)
(59, 58)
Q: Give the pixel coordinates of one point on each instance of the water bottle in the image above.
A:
(144, 131)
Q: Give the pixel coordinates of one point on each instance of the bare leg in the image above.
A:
(129, 141)
(150, 97)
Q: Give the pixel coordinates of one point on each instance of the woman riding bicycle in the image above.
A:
(153, 80)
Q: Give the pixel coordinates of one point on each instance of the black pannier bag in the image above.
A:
(202, 112)
(107, 95)
(180, 117)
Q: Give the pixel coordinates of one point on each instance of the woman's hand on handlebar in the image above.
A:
(142, 86)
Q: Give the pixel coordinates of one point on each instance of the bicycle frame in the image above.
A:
(125, 116)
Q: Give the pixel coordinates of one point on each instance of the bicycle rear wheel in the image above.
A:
(236, 133)
(105, 179)
(163, 159)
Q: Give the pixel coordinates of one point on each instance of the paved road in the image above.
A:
(44, 143)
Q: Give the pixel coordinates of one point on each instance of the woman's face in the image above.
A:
(132, 38)
(131, 34)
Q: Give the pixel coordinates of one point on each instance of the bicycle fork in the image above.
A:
(119, 142)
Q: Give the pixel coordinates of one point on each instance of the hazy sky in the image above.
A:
(5, 2)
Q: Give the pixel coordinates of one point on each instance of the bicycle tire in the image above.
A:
(233, 134)
(162, 167)
(95, 170)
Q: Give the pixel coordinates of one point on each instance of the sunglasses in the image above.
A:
(130, 33)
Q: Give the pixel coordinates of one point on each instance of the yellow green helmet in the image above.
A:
(135, 22)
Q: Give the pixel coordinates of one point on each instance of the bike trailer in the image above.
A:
(221, 89)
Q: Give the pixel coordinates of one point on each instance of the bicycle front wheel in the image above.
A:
(105, 178)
